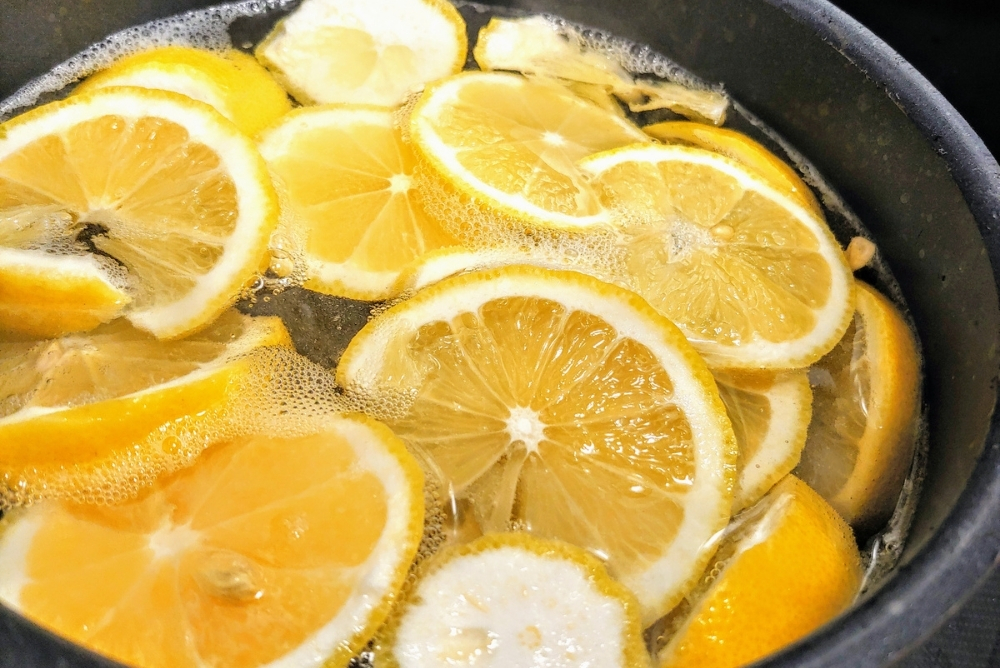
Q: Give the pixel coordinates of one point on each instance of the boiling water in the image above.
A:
(322, 326)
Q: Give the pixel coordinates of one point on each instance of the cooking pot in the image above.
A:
(901, 158)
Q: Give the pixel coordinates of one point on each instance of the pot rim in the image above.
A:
(962, 553)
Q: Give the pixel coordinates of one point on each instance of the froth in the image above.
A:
(634, 58)
(202, 29)
(279, 392)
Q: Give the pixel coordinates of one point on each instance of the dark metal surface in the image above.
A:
(903, 159)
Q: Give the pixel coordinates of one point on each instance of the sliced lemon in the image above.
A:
(742, 149)
(285, 549)
(348, 176)
(536, 45)
(750, 276)
(161, 183)
(233, 83)
(514, 600)
(502, 148)
(76, 409)
(563, 406)
(80, 294)
(365, 51)
(865, 414)
(784, 568)
(770, 412)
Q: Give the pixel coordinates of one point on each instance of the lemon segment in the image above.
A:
(79, 294)
(563, 406)
(349, 182)
(742, 149)
(364, 51)
(784, 567)
(515, 600)
(866, 414)
(752, 278)
(284, 550)
(770, 412)
(161, 183)
(232, 82)
(80, 404)
(507, 147)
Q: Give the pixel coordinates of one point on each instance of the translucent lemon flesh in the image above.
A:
(349, 179)
(752, 278)
(270, 548)
(547, 417)
(866, 417)
(511, 144)
(158, 182)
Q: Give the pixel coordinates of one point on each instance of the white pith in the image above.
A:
(426, 28)
(508, 599)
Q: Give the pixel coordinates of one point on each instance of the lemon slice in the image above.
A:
(76, 409)
(365, 51)
(80, 294)
(348, 177)
(500, 148)
(865, 414)
(784, 568)
(161, 183)
(564, 406)
(742, 149)
(232, 82)
(514, 600)
(538, 46)
(770, 413)
(751, 277)
(284, 550)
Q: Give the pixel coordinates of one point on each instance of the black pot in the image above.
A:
(897, 152)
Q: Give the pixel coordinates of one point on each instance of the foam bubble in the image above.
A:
(204, 29)
(280, 392)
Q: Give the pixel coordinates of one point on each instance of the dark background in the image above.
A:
(956, 45)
